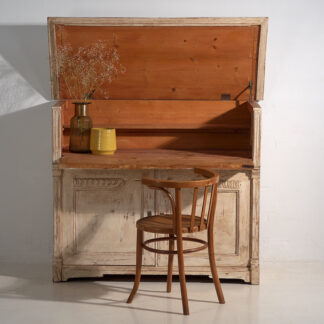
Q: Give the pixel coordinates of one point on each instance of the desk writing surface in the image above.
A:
(158, 159)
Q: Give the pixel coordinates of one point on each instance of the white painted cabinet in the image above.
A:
(99, 209)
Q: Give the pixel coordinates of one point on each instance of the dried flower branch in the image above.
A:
(86, 69)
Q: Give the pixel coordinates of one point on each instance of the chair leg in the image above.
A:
(139, 251)
(212, 262)
(182, 277)
(170, 262)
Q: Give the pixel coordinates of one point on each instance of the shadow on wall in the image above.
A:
(26, 49)
(25, 147)
(26, 185)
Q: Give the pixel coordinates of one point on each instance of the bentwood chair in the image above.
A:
(176, 224)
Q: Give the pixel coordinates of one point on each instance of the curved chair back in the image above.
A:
(210, 183)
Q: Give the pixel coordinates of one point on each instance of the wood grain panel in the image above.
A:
(184, 141)
(170, 124)
(174, 62)
(163, 114)
(159, 159)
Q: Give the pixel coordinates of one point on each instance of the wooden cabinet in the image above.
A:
(98, 213)
(164, 129)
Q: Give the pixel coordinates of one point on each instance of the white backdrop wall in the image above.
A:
(292, 212)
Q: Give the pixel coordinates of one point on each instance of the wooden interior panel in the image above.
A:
(184, 125)
(163, 114)
(173, 62)
(184, 141)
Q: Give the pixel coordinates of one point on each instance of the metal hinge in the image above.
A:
(250, 88)
(225, 96)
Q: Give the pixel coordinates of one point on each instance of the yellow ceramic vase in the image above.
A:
(103, 141)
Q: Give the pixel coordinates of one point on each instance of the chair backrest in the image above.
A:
(211, 181)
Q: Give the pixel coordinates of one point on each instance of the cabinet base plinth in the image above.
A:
(69, 272)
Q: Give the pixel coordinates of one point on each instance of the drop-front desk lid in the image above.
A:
(171, 58)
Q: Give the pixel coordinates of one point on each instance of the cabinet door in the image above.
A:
(100, 209)
(232, 219)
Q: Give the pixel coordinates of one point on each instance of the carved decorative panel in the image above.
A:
(231, 230)
(98, 183)
(101, 210)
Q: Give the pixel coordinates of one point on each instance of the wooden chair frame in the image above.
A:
(175, 234)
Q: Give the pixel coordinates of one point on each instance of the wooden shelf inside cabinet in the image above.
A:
(212, 128)
(158, 159)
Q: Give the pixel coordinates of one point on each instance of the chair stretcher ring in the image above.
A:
(199, 248)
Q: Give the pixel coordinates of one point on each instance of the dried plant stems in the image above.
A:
(87, 69)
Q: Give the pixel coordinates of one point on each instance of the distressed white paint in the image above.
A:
(96, 211)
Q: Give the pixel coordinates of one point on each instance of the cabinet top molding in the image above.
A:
(132, 21)
(223, 59)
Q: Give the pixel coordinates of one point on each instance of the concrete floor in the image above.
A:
(289, 293)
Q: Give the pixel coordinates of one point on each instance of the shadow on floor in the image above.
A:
(34, 282)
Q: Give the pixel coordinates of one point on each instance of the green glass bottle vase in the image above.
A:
(80, 127)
